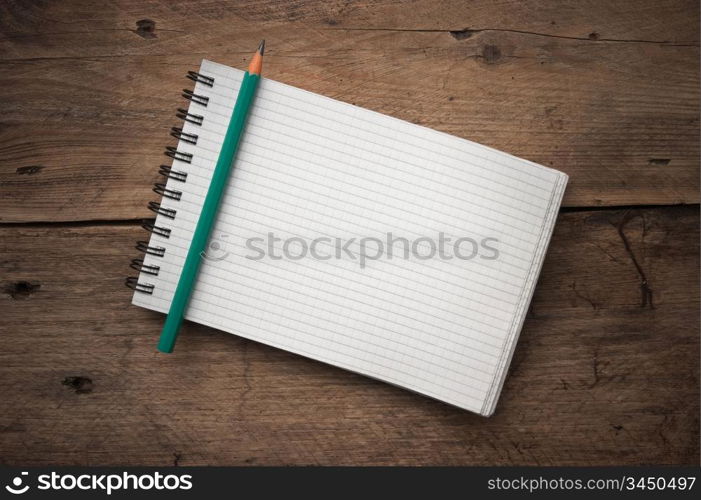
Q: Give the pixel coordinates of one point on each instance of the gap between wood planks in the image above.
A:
(139, 220)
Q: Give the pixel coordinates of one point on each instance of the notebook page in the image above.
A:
(337, 240)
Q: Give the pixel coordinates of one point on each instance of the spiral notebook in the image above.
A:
(353, 238)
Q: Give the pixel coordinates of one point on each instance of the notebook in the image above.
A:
(354, 238)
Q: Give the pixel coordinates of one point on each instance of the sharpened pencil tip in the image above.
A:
(256, 64)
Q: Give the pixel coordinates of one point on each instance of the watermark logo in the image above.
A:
(16, 488)
(217, 249)
(107, 483)
(364, 250)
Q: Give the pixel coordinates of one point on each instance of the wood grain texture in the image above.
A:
(607, 367)
(603, 373)
(607, 92)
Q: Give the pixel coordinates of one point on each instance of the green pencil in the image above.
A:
(188, 276)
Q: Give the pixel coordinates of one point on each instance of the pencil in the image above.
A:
(188, 276)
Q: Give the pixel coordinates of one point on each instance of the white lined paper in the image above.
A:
(309, 166)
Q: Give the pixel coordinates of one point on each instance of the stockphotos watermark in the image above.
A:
(105, 483)
(358, 249)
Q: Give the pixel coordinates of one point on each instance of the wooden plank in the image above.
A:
(674, 21)
(603, 374)
(88, 98)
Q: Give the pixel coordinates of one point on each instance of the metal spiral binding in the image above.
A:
(158, 209)
(196, 98)
(153, 228)
(196, 77)
(182, 136)
(138, 265)
(160, 187)
(178, 155)
(183, 114)
(143, 246)
(133, 283)
(169, 173)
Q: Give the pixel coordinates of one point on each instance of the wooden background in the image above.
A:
(607, 368)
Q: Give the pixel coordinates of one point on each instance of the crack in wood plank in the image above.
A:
(465, 33)
(645, 290)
